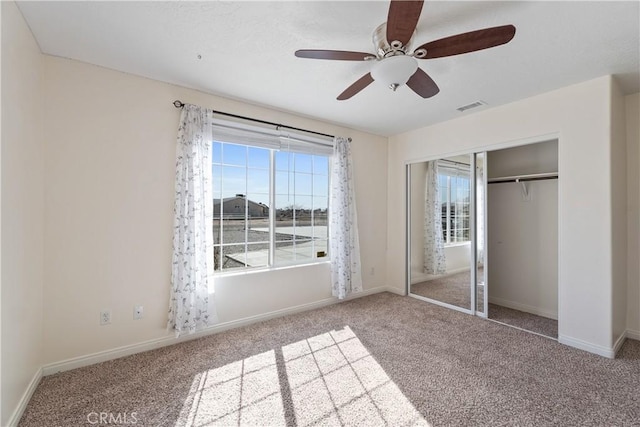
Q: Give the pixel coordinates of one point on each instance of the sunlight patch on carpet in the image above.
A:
(246, 392)
(330, 378)
(334, 380)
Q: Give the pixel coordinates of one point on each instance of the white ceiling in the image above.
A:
(247, 51)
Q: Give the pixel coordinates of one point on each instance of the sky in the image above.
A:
(301, 179)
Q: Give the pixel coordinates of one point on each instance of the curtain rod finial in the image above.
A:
(178, 104)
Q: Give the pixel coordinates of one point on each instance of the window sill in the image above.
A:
(259, 270)
(454, 245)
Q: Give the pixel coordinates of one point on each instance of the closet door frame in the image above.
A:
(472, 234)
(474, 241)
(482, 149)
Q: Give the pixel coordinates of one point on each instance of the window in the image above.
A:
(247, 182)
(302, 202)
(453, 185)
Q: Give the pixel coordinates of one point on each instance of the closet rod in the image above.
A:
(524, 178)
(180, 104)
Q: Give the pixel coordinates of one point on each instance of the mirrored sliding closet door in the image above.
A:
(446, 265)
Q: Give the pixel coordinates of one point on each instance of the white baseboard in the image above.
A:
(586, 346)
(634, 335)
(602, 351)
(618, 343)
(396, 291)
(523, 307)
(127, 350)
(24, 399)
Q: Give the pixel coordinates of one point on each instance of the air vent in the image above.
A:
(470, 106)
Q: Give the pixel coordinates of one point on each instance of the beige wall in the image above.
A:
(579, 116)
(109, 197)
(633, 219)
(22, 209)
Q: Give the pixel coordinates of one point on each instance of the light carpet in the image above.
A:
(454, 289)
(378, 360)
(527, 321)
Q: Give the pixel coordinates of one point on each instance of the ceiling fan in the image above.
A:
(394, 65)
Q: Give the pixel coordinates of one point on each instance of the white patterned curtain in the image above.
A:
(434, 257)
(191, 307)
(344, 248)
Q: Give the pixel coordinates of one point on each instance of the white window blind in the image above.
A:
(265, 137)
(453, 169)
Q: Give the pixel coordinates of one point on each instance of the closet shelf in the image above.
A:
(524, 178)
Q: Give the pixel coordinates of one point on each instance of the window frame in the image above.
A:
(272, 262)
(449, 218)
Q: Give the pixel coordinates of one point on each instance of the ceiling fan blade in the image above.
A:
(469, 42)
(333, 54)
(360, 84)
(402, 20)
(422, 84)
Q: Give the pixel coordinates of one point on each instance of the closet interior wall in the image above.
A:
(522, 230)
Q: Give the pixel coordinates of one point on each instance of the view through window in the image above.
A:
(244, 197)
(453, 183)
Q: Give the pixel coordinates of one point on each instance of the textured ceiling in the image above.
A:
(247, 51)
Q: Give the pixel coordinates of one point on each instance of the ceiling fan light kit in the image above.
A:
(393, 66)
(394, 71)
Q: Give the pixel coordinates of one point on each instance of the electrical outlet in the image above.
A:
(105, 317)
(138, 311)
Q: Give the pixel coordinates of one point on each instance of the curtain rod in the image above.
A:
(454, 162)
(180, 104)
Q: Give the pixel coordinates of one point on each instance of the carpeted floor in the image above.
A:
(453, 289)
(527, 321)
(377, 360)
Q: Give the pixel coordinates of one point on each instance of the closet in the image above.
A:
(482, 234)
(522, 236)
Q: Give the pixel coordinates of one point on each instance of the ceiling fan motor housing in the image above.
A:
(384, 48)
